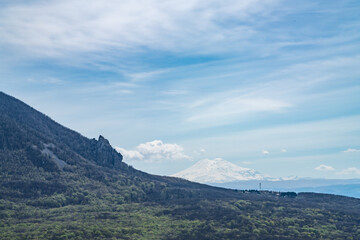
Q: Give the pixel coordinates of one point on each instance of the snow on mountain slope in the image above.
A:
(217, 171)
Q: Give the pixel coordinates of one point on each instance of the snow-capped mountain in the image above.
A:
(218, 171)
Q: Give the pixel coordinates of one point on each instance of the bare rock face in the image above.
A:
(105, 154)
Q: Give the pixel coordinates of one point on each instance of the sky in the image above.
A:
(270, 85)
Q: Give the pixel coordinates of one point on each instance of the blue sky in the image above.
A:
(270, 85)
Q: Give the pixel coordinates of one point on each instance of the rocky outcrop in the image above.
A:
(105, 155)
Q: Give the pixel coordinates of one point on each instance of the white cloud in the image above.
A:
(351, 150)
(283, 150)
(265, 152)
(57, 27)
(154, 151)
(323, 167)
(129, 154)
(350, 171)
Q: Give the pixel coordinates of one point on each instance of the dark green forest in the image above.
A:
(57, 184)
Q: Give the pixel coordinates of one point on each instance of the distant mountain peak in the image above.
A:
(217, 171)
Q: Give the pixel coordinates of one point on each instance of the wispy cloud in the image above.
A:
(350, 171)
(224, 110)
(352, 150)
(154, 151)
(115, 87)
(49, 80)
(57, 27)
(324, 168)
(175, 92)
(313, 137)
(144, 76)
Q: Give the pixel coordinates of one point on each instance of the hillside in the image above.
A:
(58, 184)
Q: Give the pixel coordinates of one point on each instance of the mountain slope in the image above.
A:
(39, 157)
(217, 171)
(19, 120)
(57, 184)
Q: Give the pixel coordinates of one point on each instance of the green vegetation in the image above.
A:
(191, 219)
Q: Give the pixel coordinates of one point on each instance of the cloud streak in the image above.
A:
(350, 171)
(352, 150)
(57, 27)
(229, 109)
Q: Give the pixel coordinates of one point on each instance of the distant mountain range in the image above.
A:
(222, 173)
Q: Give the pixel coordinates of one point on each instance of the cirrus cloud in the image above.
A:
(212, 111)
(54, 28)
